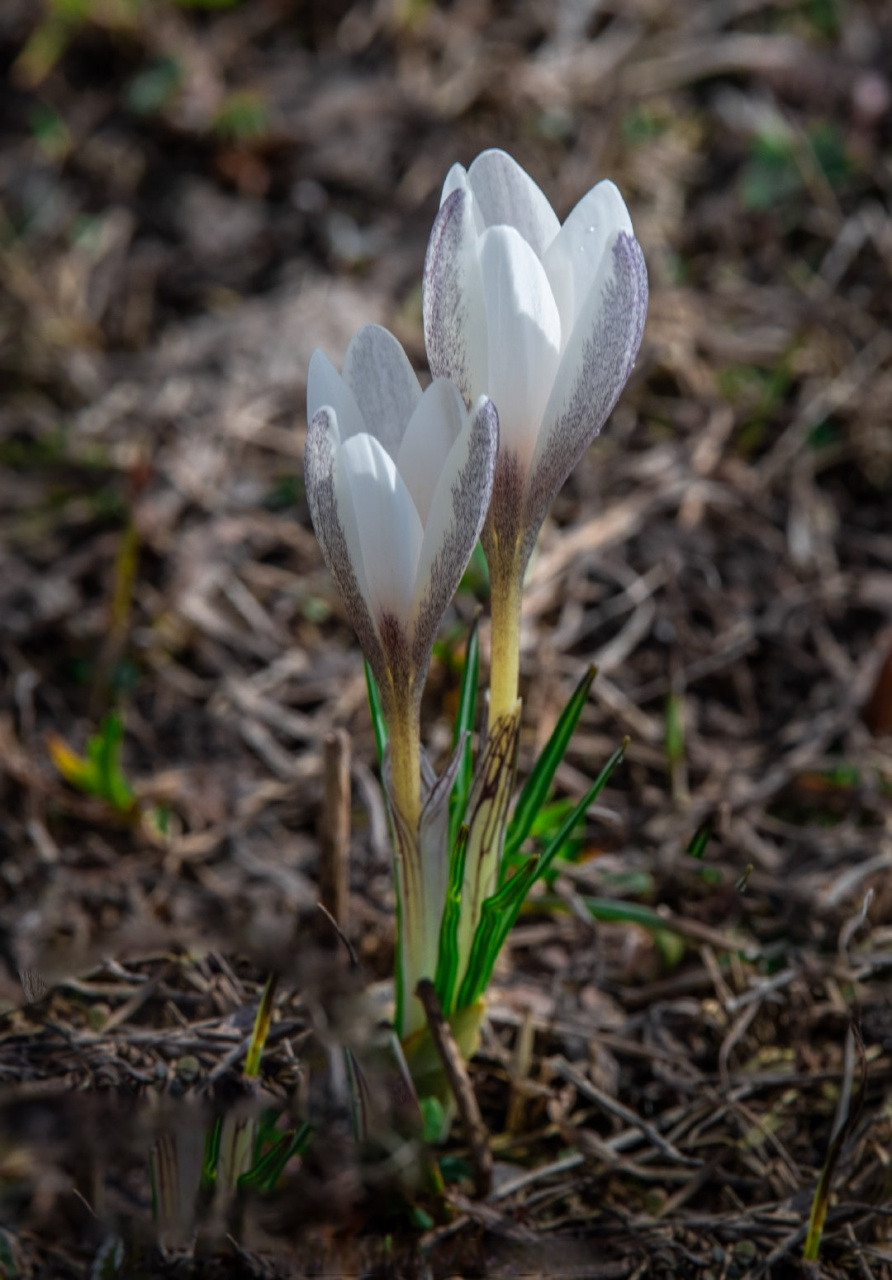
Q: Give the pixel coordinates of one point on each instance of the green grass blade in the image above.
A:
(266, 1172)
(378, 723)
(496, 919)
(262, 1023)
(847, 1117)
(538, 783)
(616, 911)
(448, 956)
(211, 1158)
(464, 725)
(699, 842)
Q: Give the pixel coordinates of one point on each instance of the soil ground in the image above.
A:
(192, 198)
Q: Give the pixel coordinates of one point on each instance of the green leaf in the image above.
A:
(262, 1023)
(448, 956)
(486, 816)
(211, 1158)
(104, 751)
(265, 1174)
(538, 783)
(464, 725)
(699, 842)
(616, 912)
(99, 772)
(433, 1117)
(242, 117)
(501, 909)
(675, 729)
(455, 1168)
(548, 855)
(378, 722)
(696, 850)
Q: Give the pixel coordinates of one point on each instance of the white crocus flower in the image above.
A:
(398, 483)
(546, 320)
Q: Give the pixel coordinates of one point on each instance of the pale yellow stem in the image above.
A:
(404, 733)
(506, 582)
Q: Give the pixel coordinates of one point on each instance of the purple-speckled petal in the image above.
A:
(457, 514)
(574, 257)
(319, 462)
(452, 298)
(594, 369)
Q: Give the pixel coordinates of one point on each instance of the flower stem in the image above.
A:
(403, 717)
(506, 587)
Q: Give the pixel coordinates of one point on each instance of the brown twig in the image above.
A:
(460, 1084)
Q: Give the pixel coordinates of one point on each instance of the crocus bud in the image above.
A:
(398, 484)
(543, 318)
(547, 320)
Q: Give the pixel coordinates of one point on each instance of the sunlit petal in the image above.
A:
(457, 513)
(325, 386)
(573, 259)
(381, 526)
(525, 336)
(594, 369)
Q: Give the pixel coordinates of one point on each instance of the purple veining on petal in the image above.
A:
(443, 301)
(319, 477)
(471, 492)
(395, 644)
(609, 355)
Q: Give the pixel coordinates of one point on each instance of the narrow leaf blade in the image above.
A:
(379, 724)
(565, 830)
(448, 957)
(538, 783)
(500, 911)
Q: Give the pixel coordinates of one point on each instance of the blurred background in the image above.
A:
(194, 194)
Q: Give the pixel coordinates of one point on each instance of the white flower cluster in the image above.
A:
(531, 329)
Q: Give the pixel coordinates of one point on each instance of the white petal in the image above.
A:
(452, 298)
(574, 256)
(508, 196)
(524, 336)
(325, 386)
(432, 431)
(457, 180)
(456, 517)
(594, 369)
(378, 372)
(381, 526)
(329, 512)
